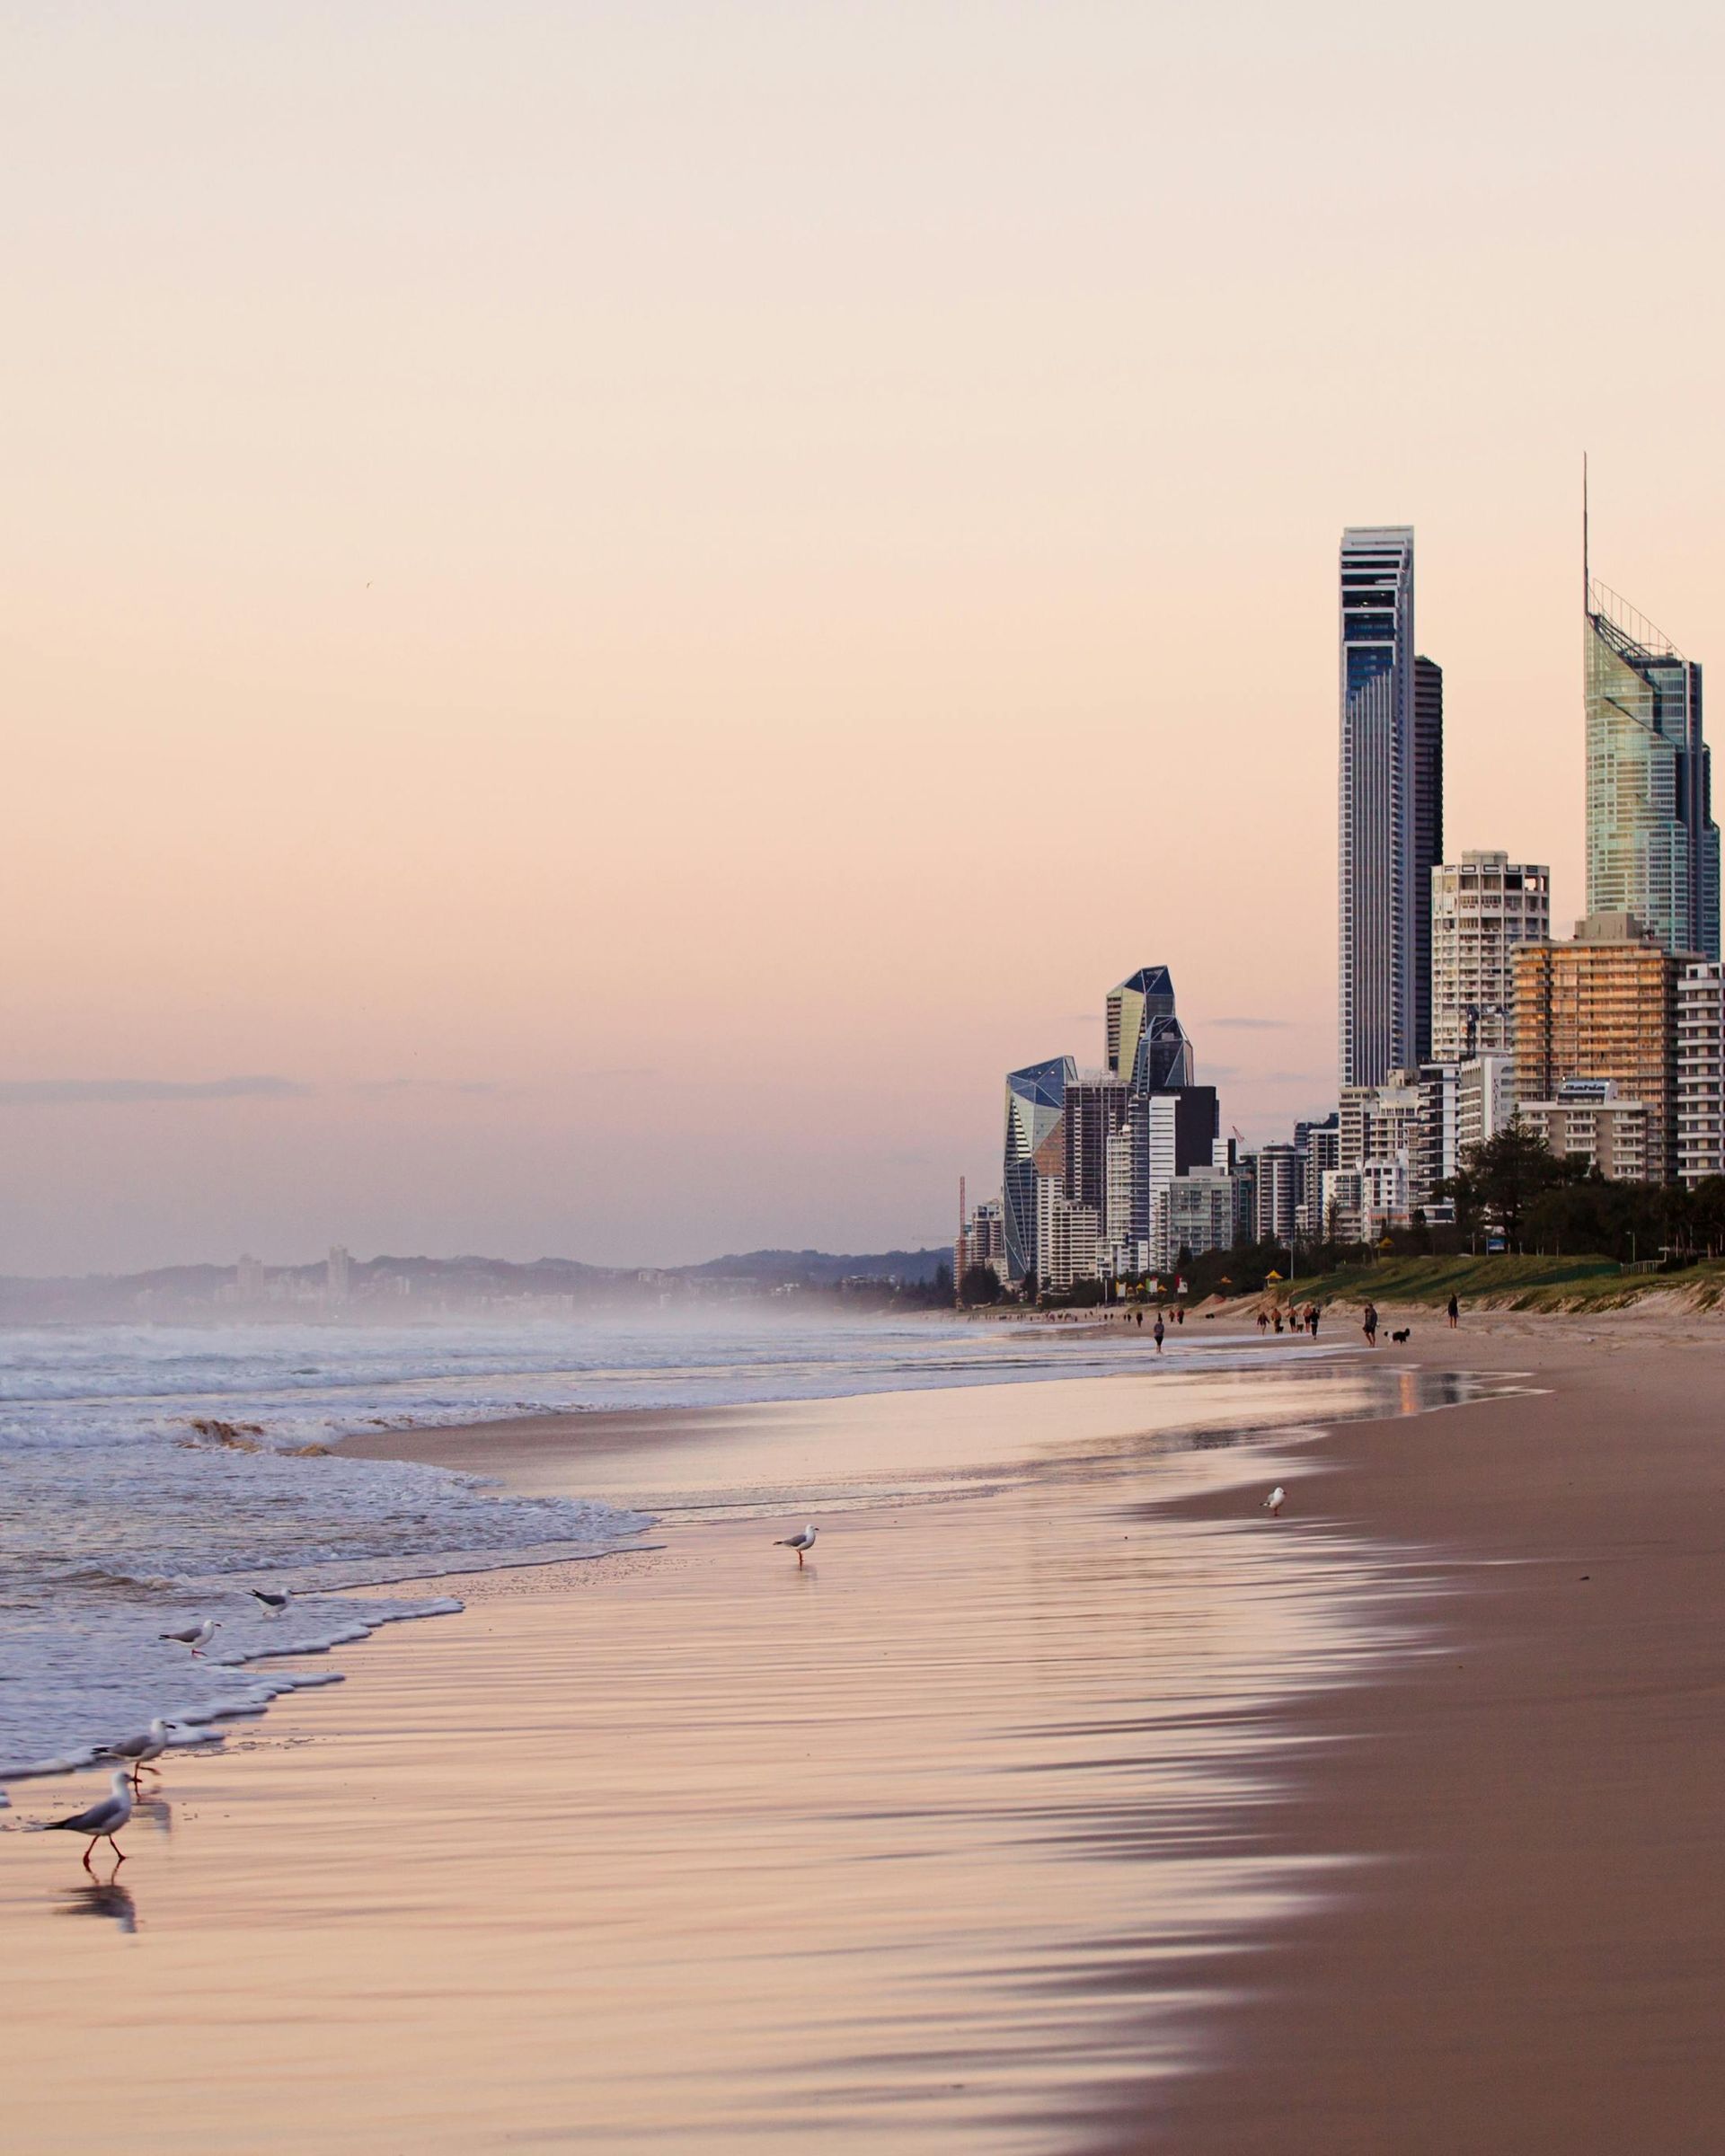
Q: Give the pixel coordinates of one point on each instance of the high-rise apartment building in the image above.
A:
(1427, 836)
(1206, 1209)
(1096, 1105)
(1385, 815)
(1701, 1071)
(1652, 844)
(1125, 1244)
(1066, 1237)
(1591, 1121)
(1481, 907)
(1434, 1150)
(1035, 1148)
(1178, 1129)
(1281, 1188)
(336, 1268)
(1320, 1143)
(1603, 1006)
(983, 1241)
(1485, 1100)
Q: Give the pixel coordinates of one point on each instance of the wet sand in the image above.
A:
(1060, 1803)
(927, 1844)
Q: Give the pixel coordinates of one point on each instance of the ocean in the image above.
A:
(151, 1475)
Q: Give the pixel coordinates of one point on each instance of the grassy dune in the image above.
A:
(1508, 1283)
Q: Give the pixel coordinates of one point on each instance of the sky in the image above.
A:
(608, 612)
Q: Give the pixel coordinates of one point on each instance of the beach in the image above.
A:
(1061, 1801)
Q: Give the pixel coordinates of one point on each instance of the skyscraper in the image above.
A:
(1147, 1045)
(1428, 835)
(1376, 791)
(1481, 907)
(1096, 1105)
(1035, 1147)
(1652, 844)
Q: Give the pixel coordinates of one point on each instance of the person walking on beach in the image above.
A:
(1160, 1330)
(1140, 1320)
(1311, 1320)
(1454, 1313)
(1369, 1325)
(1264, 1320)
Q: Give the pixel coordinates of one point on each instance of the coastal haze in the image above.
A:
(611, 612)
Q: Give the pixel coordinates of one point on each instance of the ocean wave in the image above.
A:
(150, 1474)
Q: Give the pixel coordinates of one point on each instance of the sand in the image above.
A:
(1532, 1958)
(1062, 1802)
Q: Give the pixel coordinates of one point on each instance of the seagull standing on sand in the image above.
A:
(149, 1745)
(276, 1604)
(196, 1637)
(799, 1543)
(1274, 1502)
(105, 1818)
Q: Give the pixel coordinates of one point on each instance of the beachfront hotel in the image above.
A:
(1591, 1122)
(1483, 905)
(1701, 1071)
(1603, 1006)
(1652, 844)
(1391, 811)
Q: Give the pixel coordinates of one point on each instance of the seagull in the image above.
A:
(1274, 1502)
(277, 1604)
(149, 1745)
(196, 1637)
(104, 1818)
(799, 1543)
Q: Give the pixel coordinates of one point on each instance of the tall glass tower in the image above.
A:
(1145, 1044)
(1428, 835)
(1377, 789)
(1652, 844)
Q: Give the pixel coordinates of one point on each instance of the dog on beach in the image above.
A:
(1406, 1333)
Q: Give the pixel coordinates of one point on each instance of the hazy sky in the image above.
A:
(609, 611)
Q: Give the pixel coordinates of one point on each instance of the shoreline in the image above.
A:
(1526, 1958)
(1490, 1794)
(893, 1830)
(1490, 1819)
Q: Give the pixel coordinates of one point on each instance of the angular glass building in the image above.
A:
(1147, 1045)
(1652, 844)
(1378, 960)
(1035, 1146)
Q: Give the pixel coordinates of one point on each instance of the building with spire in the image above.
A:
(1652, 844)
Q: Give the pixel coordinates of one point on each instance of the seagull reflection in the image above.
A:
(153, 1811)
(102, 1897)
